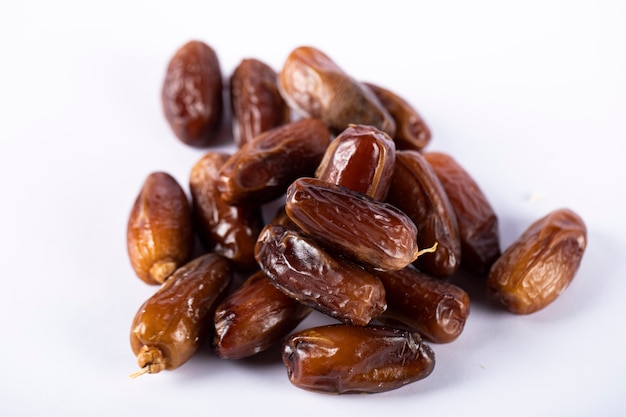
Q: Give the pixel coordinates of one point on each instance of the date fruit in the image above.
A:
(342, 359)
(535, 269)
(159, 236)
(192, 94)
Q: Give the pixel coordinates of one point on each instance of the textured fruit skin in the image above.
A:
(192, 95)
(535, 269)
(343, 359)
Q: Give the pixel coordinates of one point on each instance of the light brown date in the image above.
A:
(256, 103)
(343, 359)
(535, 269)
(262, 169)
(315, 86)
(159, 235)
(361, 158)
(192, 94)
(170, 326)
(302, 269)
(255, 317)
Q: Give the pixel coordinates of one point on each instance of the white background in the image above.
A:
(529, 96)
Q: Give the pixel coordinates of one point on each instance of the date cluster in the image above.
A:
(370, 227)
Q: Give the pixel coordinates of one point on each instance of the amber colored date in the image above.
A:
(434, 308)
(342, 359)
(256, 103)
(353, 224)
(262, 169)
(476, 218)
(192, 94)
(306, 272)
(535, 269)
(255, 317)
(361, 158)
(416, 190)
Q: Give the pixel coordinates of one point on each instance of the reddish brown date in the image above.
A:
(159, 234)
(361, 158)
(412, 132)
(476, 218)
(256, 103)
(342, 359)
(535, 269)
(255, 317)
(306, 272)
(228, 230)
(170, 326)
(353, 224)
(262, 169)
(315, 86)
(416, 190)
(192, 94)
(434, 308)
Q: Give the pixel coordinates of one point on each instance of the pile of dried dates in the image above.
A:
(369, 227)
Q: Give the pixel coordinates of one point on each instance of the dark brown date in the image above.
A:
(192, 94)
(535, 269)
(342, 359)
(416, 190)
(262, 169)
(255, 317)
(434, 308)
(477, 220)
(361, 158)
(315, 86)
(170, 326)
(228, 230)
(306, 272)
(353, 224)
(256, 103)
(159, 235)
(412, 133)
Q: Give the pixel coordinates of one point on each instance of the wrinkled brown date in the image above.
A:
(353, 224)
(228, 230)
(170, 326)
(535, 269)
(256, 103)
(411, 129)
(262, 169)
(192, 94)
(416, 190)
(315, 86)
(255, 317)
(477, 220)
(361, 158)
(159, 235)
(434, 308)
(342, 359)
(306, 272)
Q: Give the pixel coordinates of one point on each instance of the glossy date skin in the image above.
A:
(476, 218)
(228, 230)
(315, 86)
(416, 190)
(302, 269)
(255, 317)
(535, 269)
(342, 359)
(159, 235)
(262, 169)
(192, 94)
(257, 105)
(361, 158)
(170, 326)
(352, 224)
(434, 308)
